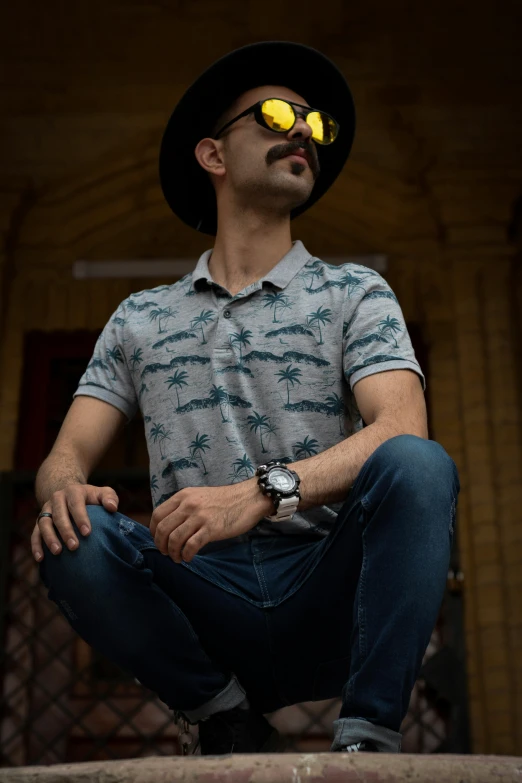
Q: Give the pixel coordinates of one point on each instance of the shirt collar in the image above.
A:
(281, 274)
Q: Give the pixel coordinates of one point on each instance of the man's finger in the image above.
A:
(164, 528)
(36, 543)
(49, 537)
(61, 522)
(179, 537)
(76, 511)
(162, 511)
(108, 498)
(194, 544)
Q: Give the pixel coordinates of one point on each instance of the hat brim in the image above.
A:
(186, 186)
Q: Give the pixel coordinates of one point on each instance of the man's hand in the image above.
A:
(67, 505)
(194, 516)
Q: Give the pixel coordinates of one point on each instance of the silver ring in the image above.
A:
(43, 514)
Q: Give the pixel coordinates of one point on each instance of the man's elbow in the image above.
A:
(406, 424)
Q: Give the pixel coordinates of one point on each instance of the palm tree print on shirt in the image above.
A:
(320, 316)
(306, 448)
(259, 422)
(312, 272)
(243, 466)
(347, 280)
(242, 339)
(365, 341)
(152, 369)
(174, 338)
(136, 357)
(220, 396)
(158, 431)
(337, 406)
(96, 364)
(178, 380)
(352, 283)
(390, 325)
(294, 329)
(276, 299)
(271, 430)
(205, 317)
(291, 376)
(163, 314)
(288, 356)
(131, 304)
(198, 447)
(114, 355)
(178, 464)
(332, 406)
(380, 295)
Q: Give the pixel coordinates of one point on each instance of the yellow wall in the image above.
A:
(435, 169)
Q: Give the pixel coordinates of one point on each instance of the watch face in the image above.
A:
(281, 480)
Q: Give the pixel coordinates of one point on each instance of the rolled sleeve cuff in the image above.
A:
(394, 364)
(101, 393)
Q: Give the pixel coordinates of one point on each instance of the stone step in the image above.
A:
(281, 768)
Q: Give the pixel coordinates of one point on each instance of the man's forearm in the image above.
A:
(327, 477)
(58, 471)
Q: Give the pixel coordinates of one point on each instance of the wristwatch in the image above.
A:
(282, 484)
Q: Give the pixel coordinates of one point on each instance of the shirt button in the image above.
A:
(227, 313)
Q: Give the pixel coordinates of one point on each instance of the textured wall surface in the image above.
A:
(434, 173)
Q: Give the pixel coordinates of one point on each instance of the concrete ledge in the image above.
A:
(281, 768)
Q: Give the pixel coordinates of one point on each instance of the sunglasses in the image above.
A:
(280, 116)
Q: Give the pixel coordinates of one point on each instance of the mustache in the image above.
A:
(282, 150)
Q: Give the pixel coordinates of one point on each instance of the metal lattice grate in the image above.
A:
(62, 702)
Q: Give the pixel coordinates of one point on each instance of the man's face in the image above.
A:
(259, 166)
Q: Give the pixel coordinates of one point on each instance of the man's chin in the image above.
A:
(286, 193)
(301, 196)
(299, 202)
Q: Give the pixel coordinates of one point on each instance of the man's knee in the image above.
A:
(84, 561)
(417, 461)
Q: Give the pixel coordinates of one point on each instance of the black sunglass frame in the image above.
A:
(256, 109)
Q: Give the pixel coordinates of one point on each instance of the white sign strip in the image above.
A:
(177, 267)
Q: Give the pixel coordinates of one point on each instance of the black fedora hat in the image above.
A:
(186, 186)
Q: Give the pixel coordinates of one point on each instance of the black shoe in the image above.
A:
(236, 731)
(366, 746)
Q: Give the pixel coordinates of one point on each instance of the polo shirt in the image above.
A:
(225, 383)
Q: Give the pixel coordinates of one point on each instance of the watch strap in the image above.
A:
(285, 510)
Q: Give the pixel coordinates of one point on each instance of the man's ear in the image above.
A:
(209, 154)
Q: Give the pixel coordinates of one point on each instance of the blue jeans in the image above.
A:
(282, 619)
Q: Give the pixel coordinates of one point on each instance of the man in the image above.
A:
(302, 521)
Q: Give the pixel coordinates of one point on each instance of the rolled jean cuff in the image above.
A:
(350, 730)
(232, 695)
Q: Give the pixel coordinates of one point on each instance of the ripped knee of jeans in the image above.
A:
(126, 526)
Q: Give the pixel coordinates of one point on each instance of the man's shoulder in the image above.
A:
(318, 276)
(140, 300)
(348, 267)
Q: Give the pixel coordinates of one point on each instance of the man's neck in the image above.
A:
(247, 250)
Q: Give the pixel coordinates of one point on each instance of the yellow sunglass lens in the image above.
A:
(324, 129)
(277, 114)
(280, 116)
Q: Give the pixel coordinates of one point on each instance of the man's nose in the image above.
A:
(301, 130)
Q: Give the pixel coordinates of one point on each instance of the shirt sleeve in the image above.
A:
(108, 376)
(375, 337)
